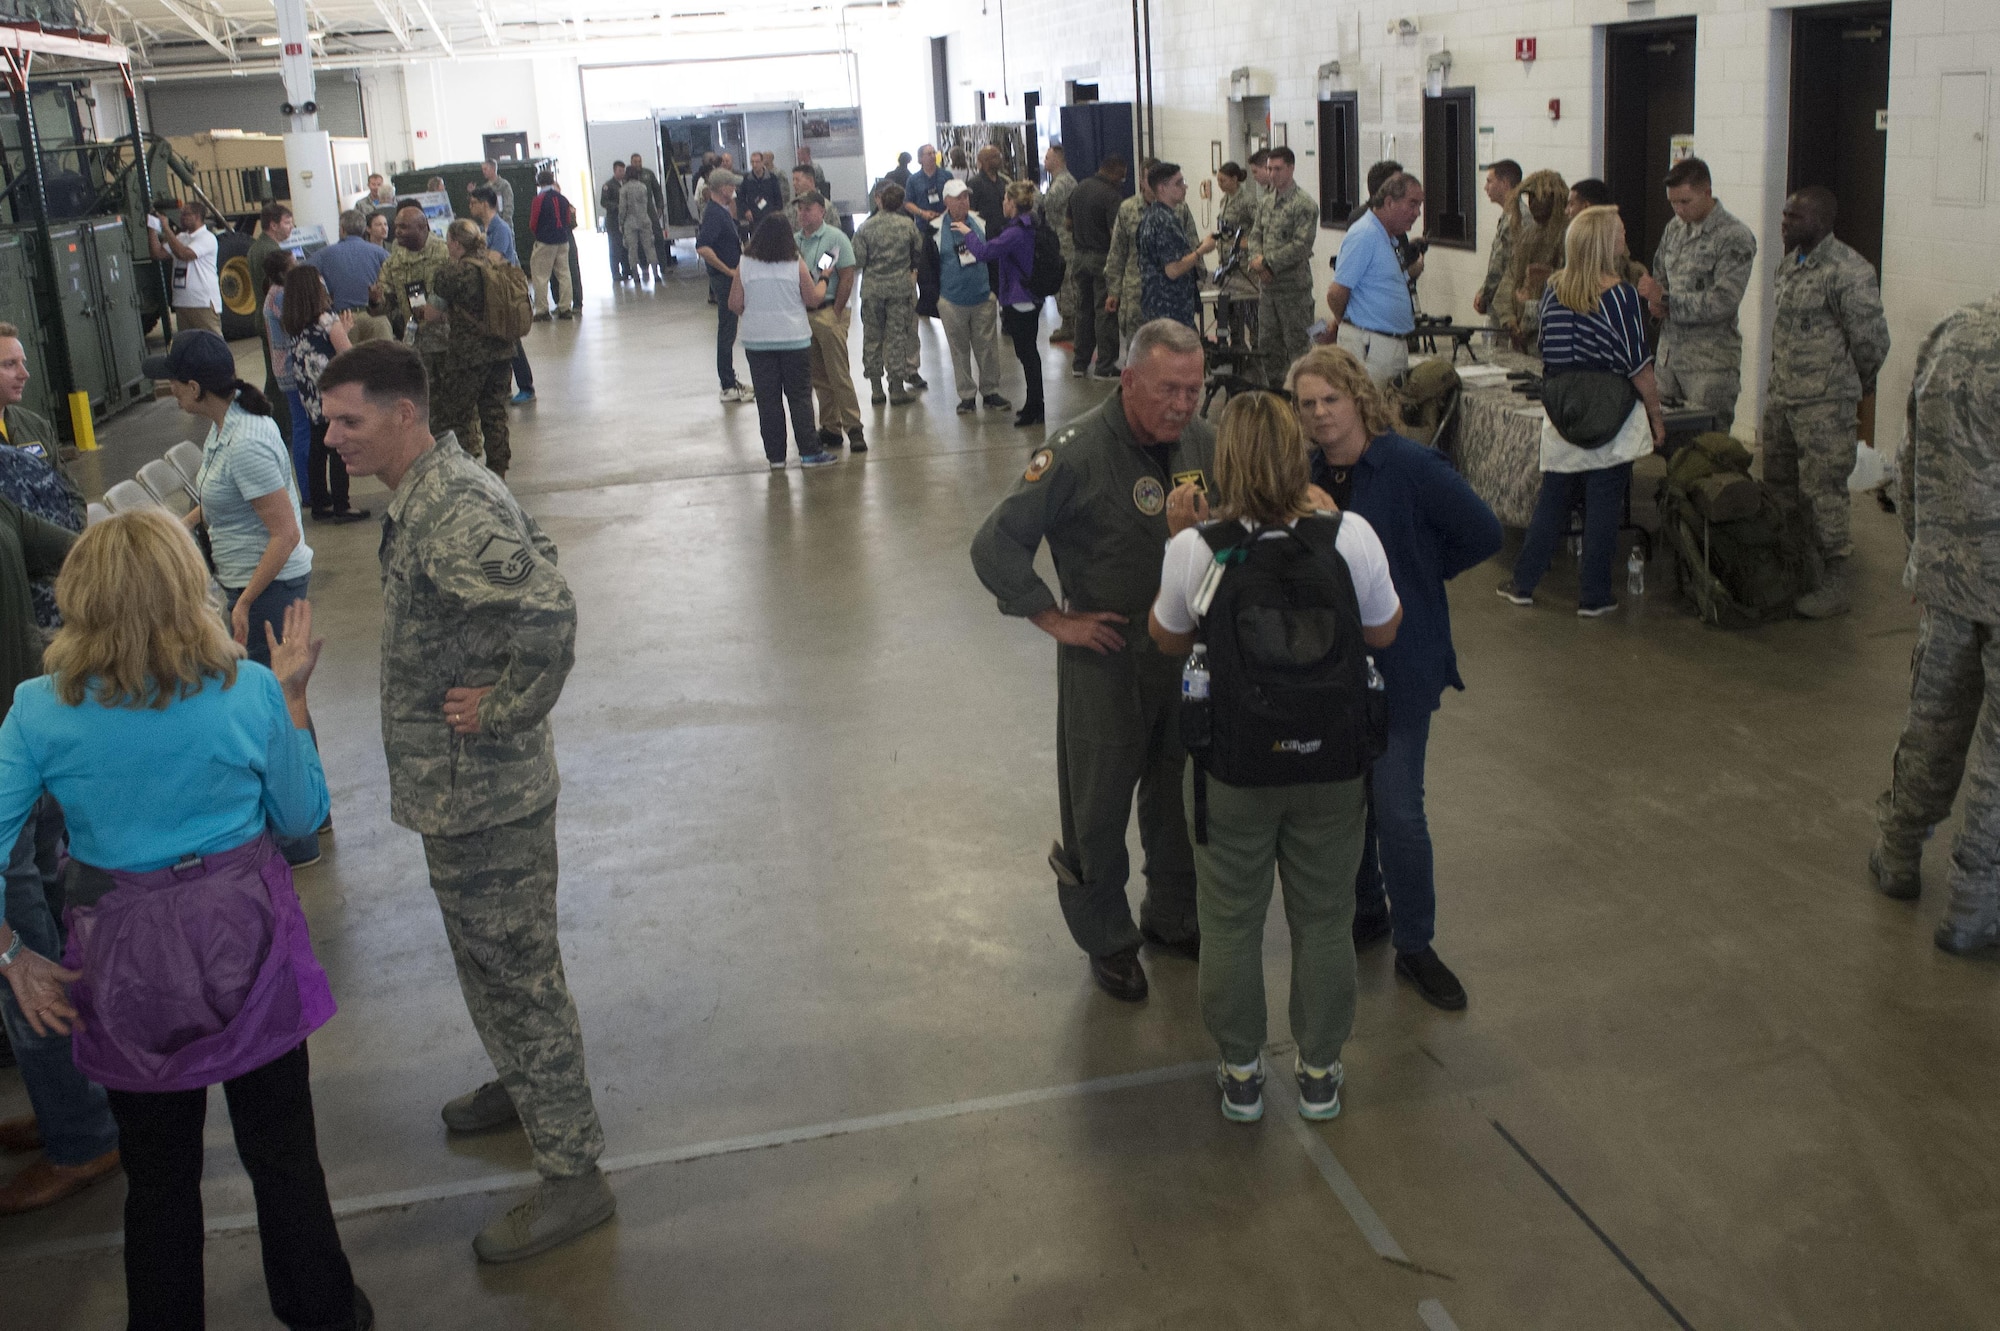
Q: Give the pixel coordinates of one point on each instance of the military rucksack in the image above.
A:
(509, 313)
(1424, 396)
(1743, 555)
(1293, 696)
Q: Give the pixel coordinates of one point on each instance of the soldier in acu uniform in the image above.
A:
(1052, 209)
(1950, 506)
(1699, 273)
(1281, 251)
(478, 634)
(476, 367)
(1827, 344)
(406, 291)
(888, 250)
(1099, 495)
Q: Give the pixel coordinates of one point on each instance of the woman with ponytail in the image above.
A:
(248, 498)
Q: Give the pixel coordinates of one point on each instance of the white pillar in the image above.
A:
(308, 150)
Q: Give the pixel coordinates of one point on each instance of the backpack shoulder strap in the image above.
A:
(1319, 534)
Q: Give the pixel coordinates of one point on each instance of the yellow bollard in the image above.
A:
(81, 424)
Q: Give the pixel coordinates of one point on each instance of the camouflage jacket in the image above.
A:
(1498, 257)
(888, 250)
(471, 596)
(1054, 203)
(1287, 225)
(1829, 339)
(1949, 478)
(1705, 268)
(1239, 210)
(405, 270)
(1121, 265)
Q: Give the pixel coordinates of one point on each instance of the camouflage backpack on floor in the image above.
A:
(1424, 397)
(1743, 557)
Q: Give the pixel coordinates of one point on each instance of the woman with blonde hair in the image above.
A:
(1012, 251)
(188, 961)
(1433, 528)
(1266, 517)
(1603, 407)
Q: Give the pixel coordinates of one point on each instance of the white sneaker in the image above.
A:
(732, 395)
(745, 393)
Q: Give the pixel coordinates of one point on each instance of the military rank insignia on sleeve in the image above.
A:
(505, 562)
(1038, 464)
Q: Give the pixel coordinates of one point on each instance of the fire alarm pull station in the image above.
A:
(1524, 50)
(1555, 108)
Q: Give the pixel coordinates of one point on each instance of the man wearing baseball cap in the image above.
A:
(720, 246)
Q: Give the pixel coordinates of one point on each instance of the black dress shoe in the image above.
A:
(1189, 947)
(1027, 416)
(1369, 930)
(342, 515)
(1433, 979)
(364, 1311)
(1120, 975)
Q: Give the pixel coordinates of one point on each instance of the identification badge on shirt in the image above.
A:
(419, 297)
(965, 259)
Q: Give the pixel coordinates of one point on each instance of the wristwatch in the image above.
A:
(13, 951)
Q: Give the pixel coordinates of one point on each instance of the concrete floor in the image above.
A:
(808, 792)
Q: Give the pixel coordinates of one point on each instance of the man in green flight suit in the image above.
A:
(1099, 494)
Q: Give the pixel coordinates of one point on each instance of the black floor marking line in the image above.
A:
(1602, 1237)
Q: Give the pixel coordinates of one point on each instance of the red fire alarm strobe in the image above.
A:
(1524, 49)
(295, 48)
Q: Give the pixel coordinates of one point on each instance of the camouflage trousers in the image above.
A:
(1283, 316)
(1066, 297)
(471, 401)
(497, 889)
(640, 253)
(1954, 691)
(1130, 305)
(1709, 390)
(1808, 453)
(889, 333)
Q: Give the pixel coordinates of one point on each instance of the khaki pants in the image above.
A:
(832, 376)
(546, 261)
(1382, 355)
(197, 316)
(969, 332)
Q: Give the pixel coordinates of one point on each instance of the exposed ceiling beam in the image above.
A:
(198, 28)
(395, 24)
(437, 28)
(486, 21)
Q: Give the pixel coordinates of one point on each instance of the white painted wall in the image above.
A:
(1935, 256)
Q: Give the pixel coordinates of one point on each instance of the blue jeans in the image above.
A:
(1395, 878)
(269, 607)
(1603, 495)
(71, 1111)
(302, 438)
(524, 373)
(725, 330)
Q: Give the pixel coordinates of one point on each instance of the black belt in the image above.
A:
(1373, 332)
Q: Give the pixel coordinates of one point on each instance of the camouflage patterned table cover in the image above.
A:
(1498, 443)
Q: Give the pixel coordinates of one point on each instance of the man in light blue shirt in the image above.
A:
(1369, 297)
(351, 266)
(966, 307)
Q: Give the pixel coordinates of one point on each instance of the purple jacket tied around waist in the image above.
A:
(194, 974)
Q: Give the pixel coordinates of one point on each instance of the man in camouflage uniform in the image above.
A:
(1948, 483)
(475, 369)
(888, 251)
(1124, 275)
(1052, 209)
(406, 291)
(1699, 273)
(1827, 343)
(1099, 494)
(1281, 250)
(478, 636)
(1501, 180)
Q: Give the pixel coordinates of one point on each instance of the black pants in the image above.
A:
(1020, 326)
(159, 1137)
(326, 473)
(782, 379)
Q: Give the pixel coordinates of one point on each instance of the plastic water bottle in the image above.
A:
(1194, 699)
(1376, 684)
(1635, 573)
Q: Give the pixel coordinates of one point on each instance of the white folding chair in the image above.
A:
(186, 456)
(128, 495)
(163, 480)
(94, 513)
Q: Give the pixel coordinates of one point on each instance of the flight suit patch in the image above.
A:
(505, 561)
(1150, 496)
(1194, 478)
(1038, 464)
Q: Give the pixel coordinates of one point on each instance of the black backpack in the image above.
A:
(1046, 277)
(1293, 696)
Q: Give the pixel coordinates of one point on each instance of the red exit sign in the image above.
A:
(1524, 49)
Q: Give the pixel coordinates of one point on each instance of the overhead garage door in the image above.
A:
(249, 104)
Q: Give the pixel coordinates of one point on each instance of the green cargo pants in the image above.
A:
(1313, 833)
(1117, 730)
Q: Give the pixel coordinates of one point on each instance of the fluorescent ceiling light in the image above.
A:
(273, 41)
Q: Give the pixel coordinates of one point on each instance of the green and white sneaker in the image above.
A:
(1242, 1091)
(1319, 1090)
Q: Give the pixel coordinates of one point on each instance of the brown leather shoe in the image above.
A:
(44, 1184)
(18, 1135)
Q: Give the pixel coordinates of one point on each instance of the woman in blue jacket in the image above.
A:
(1434, 528)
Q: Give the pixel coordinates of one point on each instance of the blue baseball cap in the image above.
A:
(196, 356)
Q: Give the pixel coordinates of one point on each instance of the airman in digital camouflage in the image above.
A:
(1700, 271)
(1052, 209)
(888, 250)
(478, 635)
(1827, 344)
(1949, 486)
(1100, 495)
(1281, 250)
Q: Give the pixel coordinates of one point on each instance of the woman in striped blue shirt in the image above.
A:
(1591, 319)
